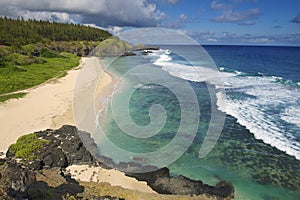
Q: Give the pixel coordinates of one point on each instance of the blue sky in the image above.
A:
(237, 21)
(254, 22)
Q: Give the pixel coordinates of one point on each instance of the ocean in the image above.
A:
(242, 102)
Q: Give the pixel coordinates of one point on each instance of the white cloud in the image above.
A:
(182, 31)
(296, 19)
(211, 39)
(51, 16)
(228, 15)
(115, 30)
(244, 18)
(178, 23)
(183, 17)
(260, 40)
(173, 1)
(100, 12)
(168, 1)
(155, 35)
(219, 6)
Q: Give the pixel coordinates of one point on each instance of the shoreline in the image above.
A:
(38, 109)
(114, 177)
(46, 106)
(49, 106)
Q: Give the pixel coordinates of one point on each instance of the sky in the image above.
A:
(250, 22)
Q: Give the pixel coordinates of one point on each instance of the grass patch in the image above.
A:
(26, 146)
(11, 96)
(14, 78)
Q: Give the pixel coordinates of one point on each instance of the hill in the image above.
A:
(32, 52)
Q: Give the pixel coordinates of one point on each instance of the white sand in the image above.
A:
(46, 106)
(50, 106)
(114, 177)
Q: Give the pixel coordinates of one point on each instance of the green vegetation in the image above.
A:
(112, 47)
(20, 32)
(17, 77)
(12, 96)
(26, 146)
(32, 52)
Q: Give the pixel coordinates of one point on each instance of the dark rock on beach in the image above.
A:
(163, 183)
(129, 53)
(147, 48)
(14, 180)
(43, 176)
(65, 148)
(146, 52)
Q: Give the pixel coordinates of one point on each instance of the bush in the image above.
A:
(26, 146)
(28, 49)
(11, 96)
(47, 53)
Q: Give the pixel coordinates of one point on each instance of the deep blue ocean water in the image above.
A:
(258, 150)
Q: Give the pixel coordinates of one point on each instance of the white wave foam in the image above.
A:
(257, 113)
(238, 72)
(191, 73)
(292, 115)
(162, 59)
(259, 97)
(142, 86)
(168, 52)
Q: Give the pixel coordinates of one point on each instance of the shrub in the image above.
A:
(47, 53)
(26, 146)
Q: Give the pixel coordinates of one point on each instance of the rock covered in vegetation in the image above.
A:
(63, 147)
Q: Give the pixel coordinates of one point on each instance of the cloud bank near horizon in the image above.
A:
(102, 12)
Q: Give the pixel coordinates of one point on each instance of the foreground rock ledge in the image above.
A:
(30, 178)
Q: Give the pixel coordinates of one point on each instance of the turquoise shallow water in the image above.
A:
(256, 169)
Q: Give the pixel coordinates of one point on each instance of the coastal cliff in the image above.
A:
(35, 168)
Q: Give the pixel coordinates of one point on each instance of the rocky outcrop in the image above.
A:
(128, 53)
(147, 48)
(19, 182)
(66, 146)
(76, 48)
(63, 149)
(15, 180)
(161, 182)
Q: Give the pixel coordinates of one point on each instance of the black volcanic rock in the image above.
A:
(64, 148)
(129, 53)
(147, 48)
(161, 182)
(14, 180)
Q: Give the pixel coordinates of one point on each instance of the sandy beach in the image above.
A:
(50, 106)
(114, 177)
(46, 106)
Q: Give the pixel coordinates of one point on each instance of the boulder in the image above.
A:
(129, 53)
(15, 180)
(161, 182)
(64, 148)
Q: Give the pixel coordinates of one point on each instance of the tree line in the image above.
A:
(19, 32)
